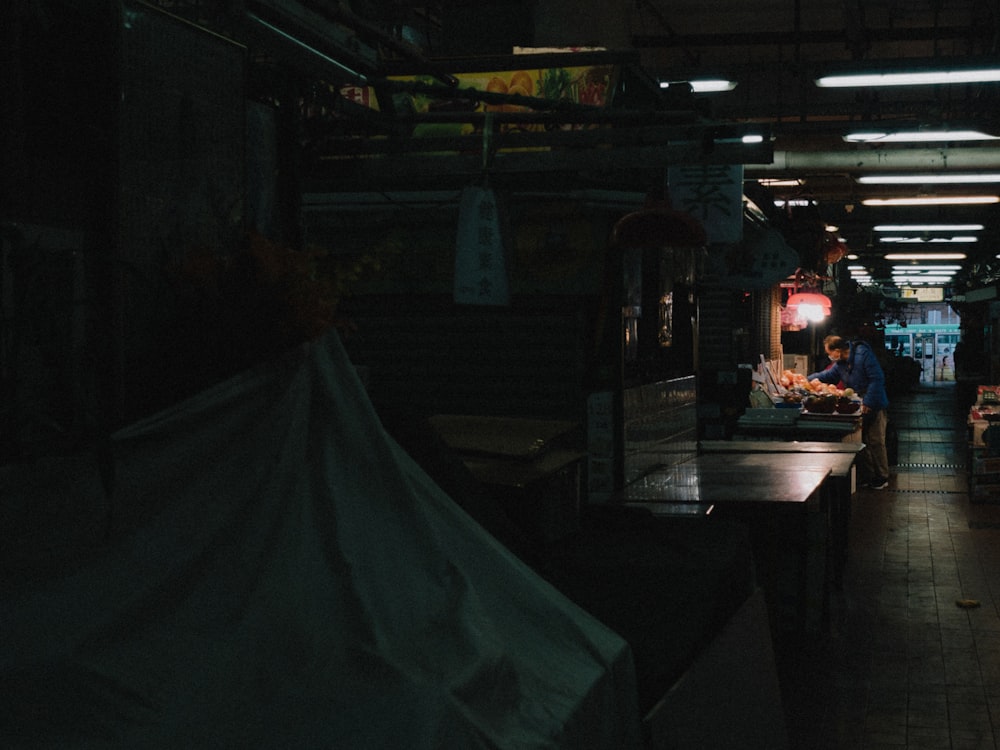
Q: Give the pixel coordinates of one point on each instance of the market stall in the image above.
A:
(785, 404)
(265, 567)
(984, 445)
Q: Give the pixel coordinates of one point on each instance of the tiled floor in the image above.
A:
(903, 665)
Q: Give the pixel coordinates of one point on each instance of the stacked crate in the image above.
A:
(984, 464)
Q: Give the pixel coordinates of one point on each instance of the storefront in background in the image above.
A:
(932, 344)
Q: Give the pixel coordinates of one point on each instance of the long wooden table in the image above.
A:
(842, 460)
(783, 506)
(708, 480)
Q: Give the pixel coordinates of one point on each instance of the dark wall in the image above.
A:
(428, 355)
(476, 28)
(58, 130)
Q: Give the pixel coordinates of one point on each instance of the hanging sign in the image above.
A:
(713, 194)
(480, 258)
(761, 260)
(587, 84)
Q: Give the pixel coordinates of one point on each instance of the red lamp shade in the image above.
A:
(810, 305)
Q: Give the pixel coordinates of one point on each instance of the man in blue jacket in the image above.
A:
(854, 364)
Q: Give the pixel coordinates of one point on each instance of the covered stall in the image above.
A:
(262, 565)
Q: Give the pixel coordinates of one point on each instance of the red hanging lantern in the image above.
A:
(812, 306)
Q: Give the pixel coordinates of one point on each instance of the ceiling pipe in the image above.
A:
(883, 160)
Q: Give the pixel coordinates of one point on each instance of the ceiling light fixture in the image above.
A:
(911, 78)
(940, 200)
(779, 182)
(928, 179)
(922, 274)
(923, 240)
(908, 267)
(927, 227)
(917, 136)
(901, 279)
(704, 85)
(811, 306)
(926, 256)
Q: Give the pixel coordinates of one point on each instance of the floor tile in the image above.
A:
(901, 664)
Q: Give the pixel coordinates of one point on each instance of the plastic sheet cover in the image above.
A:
(283, 575)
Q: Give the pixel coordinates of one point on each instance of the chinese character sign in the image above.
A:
(713, 194)
(480, 262)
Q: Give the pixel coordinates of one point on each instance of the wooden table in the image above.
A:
(777, 446)
(706, 479)
(782, 506)
(532, 466)
(840, 457)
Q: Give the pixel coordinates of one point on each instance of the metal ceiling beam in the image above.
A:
(883, 160)
(409, 171)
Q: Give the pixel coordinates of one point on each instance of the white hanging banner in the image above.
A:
(713, 194)
(480, 258)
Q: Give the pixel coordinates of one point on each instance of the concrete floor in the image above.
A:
(902, 664)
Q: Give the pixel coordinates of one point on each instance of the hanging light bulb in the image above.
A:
(811, 306)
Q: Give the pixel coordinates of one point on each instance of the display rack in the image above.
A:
(984, 447)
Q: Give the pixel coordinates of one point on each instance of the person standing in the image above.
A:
(855, 365)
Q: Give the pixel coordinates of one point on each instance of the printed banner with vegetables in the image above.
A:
(575, 84)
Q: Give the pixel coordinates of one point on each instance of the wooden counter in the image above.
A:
(843, 480)
(784, 507)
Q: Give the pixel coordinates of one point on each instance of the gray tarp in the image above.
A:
(283, 575)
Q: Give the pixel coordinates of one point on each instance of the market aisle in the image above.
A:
(904, 666)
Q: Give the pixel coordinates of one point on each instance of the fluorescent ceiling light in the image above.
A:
(927, 179)
(927, 227)
(932, 268)
(703, 86)
(912, 78)
(752, 138)
(934, 240)
(941, 200)
(921, 279)
(917, 136)
(926, 256)
(779, 182)
(797, 203)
